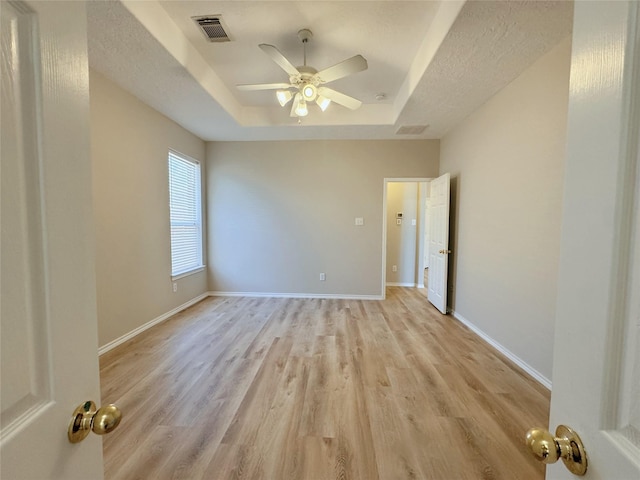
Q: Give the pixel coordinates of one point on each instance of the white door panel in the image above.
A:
(596, 374)
(427, 242)
(439, 242)
(48, 316)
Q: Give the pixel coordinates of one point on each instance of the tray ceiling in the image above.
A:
(430, 63)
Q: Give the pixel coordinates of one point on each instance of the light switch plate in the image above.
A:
(413, 221)
(359, 221)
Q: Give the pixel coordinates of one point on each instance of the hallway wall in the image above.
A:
(506, 162)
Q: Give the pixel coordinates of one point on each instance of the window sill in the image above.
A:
(188, 273)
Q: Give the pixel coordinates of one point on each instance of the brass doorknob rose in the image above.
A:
(87, 418)
(566, 445)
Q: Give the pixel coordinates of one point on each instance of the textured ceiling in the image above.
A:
(435, 62)
(375, 35)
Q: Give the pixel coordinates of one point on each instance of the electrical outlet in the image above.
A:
(323, 277)
(175, 286)
(359, 221)
(394, 268)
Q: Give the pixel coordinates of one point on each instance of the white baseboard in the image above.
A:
(505, 351)
(127, 336)
(396, 284)
(296, 295)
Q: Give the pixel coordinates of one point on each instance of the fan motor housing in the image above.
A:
(306, 75)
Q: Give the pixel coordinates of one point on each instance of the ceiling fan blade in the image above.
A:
(294, 104)
(340, 98)
(263, 86)
(347, 67)
(280, 59)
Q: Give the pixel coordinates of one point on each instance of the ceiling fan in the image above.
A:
(306, 83)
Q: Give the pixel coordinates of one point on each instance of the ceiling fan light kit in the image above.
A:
(301, 108)
(284, 96)
(305, 82)
(309, 92)
(323, 102)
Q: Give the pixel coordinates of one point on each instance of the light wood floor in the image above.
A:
(279, 389)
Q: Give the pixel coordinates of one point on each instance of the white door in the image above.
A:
(439, 242)
(596, 374)
(426, 240)
(48, 314)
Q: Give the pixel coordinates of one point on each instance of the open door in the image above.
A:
(439, 242)
(596, 373)
(48, 313)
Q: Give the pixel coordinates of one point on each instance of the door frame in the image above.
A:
(421, 209)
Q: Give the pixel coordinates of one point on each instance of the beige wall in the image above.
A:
(129, 147)
(282, 212)
(506, 162)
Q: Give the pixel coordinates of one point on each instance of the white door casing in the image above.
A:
(439, 242)
(48, 313)
(596, 373)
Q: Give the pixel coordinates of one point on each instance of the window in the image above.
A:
(185, 213)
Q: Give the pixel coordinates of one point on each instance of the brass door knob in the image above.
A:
(87, 418)
(566, 445)
(444, 251)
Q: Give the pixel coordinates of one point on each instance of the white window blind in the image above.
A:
(185, 212)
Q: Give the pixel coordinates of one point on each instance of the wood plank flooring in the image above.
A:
(314, 389)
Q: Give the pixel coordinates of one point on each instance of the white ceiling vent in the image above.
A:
(212, 28)
(411, 129)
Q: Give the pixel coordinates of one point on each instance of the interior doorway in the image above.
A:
(405, 217)
(405, 246)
